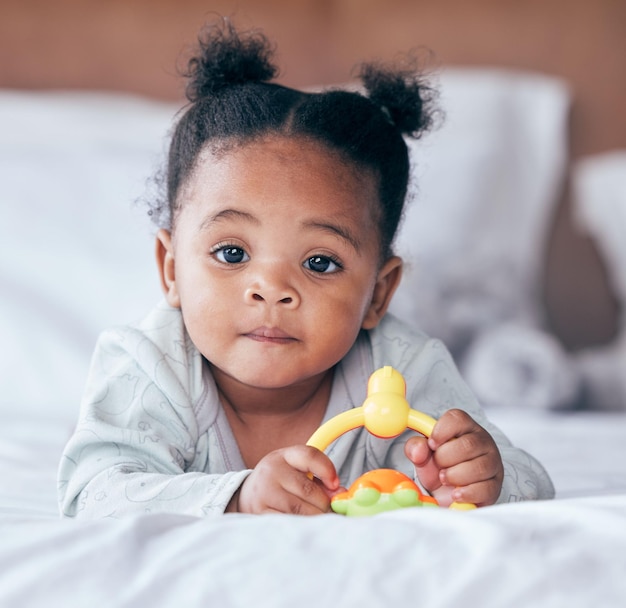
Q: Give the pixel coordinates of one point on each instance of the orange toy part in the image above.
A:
(380, 490)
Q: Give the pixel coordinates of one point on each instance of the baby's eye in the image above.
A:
(231, 255)
(322, 264)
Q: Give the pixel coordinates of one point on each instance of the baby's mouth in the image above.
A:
(270, 334)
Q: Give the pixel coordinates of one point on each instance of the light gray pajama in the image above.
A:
(152, 436)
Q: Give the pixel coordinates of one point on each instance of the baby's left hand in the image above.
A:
(460, 462)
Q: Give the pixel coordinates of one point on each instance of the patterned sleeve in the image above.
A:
(137, 443)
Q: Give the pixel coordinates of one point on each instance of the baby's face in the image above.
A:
(274, 260)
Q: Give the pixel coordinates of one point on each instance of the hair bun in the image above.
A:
(401, 94)
(225, 58)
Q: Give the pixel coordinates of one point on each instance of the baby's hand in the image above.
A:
(460, 462)
(280, 483)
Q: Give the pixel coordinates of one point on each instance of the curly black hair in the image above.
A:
(233, 100)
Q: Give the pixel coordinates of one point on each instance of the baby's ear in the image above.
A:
(165, 263)
(386, 284)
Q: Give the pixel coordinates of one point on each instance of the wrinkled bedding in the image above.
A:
(570, 551)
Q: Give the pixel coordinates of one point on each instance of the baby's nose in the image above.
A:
(258, 297)
(272, 289)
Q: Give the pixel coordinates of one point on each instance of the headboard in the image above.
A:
(135, 46)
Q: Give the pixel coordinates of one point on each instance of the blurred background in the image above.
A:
(122, 48)
(137, 45)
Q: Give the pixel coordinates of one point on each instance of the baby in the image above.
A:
(276, 261)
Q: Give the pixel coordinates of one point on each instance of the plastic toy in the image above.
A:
(385, 413)
(378, 491)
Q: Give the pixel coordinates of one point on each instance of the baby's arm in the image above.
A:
(110, 478)
(111, 471)
(141, 444)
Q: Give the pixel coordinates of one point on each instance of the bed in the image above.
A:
(76, 167)
(565, 552)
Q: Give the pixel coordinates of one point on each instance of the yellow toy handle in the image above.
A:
(385, 413)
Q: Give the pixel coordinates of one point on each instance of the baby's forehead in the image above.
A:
(294, 153)
(290, 144)
(294, 171)
(302, 173)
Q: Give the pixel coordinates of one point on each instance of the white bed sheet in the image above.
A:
(567, 552)
(556, 554)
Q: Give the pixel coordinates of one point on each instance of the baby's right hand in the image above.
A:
(280, 483)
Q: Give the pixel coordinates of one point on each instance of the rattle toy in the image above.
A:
(385, 413)
(380, 490)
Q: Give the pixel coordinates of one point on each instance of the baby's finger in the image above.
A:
(481, 494)
(464, 448)
(302, 495)
(417, 451)
(453, 423)
(483, 468)
(307, 459)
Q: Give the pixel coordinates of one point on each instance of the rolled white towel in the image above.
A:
(512, 365)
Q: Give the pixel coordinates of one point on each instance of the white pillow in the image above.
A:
(599, 195)
(77, 253)
(486, 186)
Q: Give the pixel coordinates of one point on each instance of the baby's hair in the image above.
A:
(233, 101)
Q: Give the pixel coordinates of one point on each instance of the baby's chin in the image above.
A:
(270, 377)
